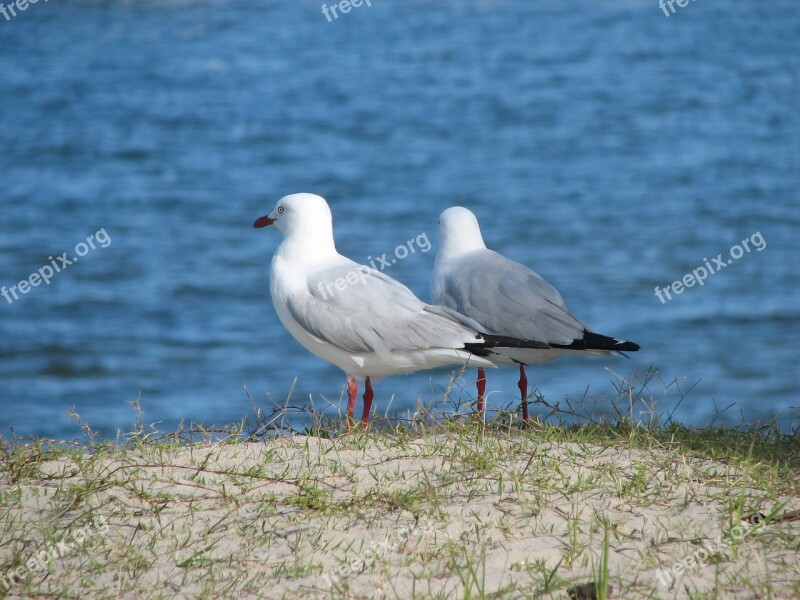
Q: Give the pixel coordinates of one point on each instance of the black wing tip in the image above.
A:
(596, 341)
(504, 341)
(490, 341)
(589, 341)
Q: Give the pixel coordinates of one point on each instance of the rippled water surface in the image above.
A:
(606, 145)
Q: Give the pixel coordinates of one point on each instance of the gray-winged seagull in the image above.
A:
(357, 318)
(507, 298)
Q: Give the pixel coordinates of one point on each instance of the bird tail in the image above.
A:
(524, 351)
(595, 341)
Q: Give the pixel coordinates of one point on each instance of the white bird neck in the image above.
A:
(308, 248)
(456, 245)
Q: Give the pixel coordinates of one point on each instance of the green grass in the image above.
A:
(435, 508)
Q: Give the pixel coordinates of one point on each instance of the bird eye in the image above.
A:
(280, 210)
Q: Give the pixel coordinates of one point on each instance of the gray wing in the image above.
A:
(506, 298)
(371, 312)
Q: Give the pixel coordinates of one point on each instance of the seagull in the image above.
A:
(507, 298)
(357, 318)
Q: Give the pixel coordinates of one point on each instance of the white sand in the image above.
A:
(376, 516)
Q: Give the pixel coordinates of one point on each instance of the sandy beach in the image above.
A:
(458, 511)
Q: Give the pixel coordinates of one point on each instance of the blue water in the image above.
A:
(604, 144)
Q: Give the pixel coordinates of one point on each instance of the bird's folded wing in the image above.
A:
(371, 312)
(507, 298)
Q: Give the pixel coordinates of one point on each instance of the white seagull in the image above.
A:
(507, 298)
(357, 318)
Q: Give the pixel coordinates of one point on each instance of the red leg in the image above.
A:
(523, 390)
(481, 385)
(368, 395)
(352, 391)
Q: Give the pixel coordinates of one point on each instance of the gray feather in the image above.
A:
(374, 314)
(506, 298)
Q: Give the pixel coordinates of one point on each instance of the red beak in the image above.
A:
(263, 222)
